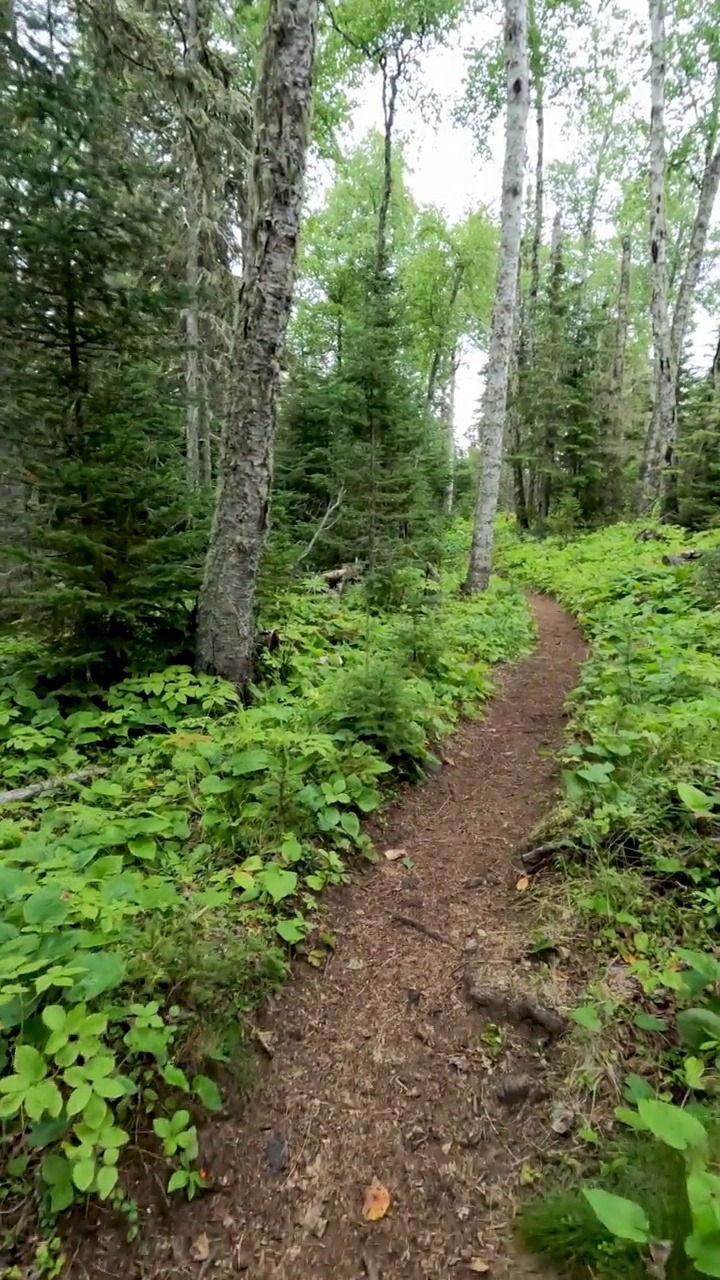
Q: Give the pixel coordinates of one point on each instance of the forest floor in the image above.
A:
(411, 1058)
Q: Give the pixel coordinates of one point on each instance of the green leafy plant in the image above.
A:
(627, 1219)
(146, 908)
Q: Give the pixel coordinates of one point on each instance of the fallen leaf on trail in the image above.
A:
(522, 884)
(392, 855)
(460, 1063)
(479, 1266)
(377, 1201)
(200, 1249)
(563, 1121)
(266, 1042)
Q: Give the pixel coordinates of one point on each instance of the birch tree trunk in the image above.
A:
(614, 423)
(538, 211)
(549, 444)
(279, 159)
(514, 422)
(663, 423)
(699, 234)
(696, 253)
(503, 320)
(448, 418)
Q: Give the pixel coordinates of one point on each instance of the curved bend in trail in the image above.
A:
(383, 1067)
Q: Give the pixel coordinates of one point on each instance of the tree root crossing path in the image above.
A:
(422, 1057)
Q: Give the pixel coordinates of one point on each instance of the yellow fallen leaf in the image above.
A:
(479, 1266)
(522, 884)
(392, 855)
(377, 1201)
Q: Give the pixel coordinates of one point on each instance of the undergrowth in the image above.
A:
(640, 822)
(147, 907)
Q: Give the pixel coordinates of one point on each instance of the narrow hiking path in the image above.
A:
(383, 1065)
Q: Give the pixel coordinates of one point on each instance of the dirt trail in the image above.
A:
(383, 1066)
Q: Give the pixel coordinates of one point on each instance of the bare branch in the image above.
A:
(50, 784)
(323, 525)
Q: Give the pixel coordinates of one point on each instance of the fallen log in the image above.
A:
(682, 558)
(338, 578)
(36, 789)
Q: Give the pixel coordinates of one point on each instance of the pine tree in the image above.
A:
(91, 398)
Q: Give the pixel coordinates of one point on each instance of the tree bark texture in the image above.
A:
(503, 321)
(663, 423)
(280, 144)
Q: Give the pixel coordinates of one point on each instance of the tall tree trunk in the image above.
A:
(693, 262)
(538, 211)
(699, 234)
(449, 426)
(280, 144)
(503, 319)
(589, 225)
(193, 382)
(613, 444)
(514, 420)
(390, 85)
(551, 422)
(196, 437)
(663, 424)
(439, 350)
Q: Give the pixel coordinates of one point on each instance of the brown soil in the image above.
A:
(384, 1066)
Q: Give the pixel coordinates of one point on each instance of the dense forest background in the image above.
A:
(127, 193)
(247, 556)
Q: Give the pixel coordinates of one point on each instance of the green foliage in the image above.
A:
(90, 405)
(641, 796)
(646, 706)
(673, 1211)
(361, 426)
(147, 908)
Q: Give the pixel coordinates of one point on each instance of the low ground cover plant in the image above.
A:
(640, 821)
(146, 907)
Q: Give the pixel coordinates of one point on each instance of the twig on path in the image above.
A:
(411, 923)
(50, 784)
